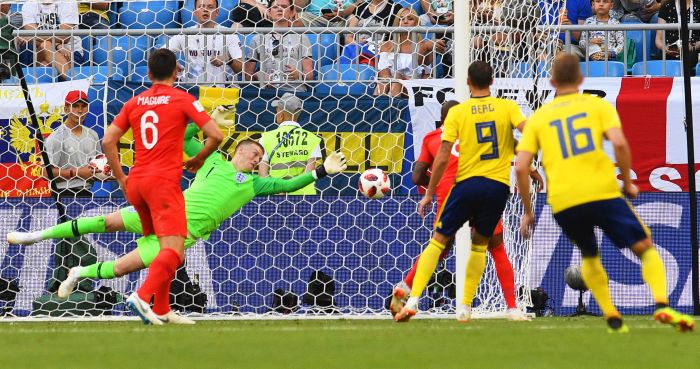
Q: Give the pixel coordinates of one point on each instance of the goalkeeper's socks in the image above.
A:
(654, 275)
(160, 274)
(596, 280)
(411, 273)
(504, 271)
(425, 267)
(475, 269)
(75, 228)
(101, 270)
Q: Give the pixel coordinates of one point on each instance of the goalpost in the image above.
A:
(334, 254)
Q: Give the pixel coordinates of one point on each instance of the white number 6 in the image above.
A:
(149, 119)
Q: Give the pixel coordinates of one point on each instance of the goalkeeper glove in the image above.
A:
(223, 115)
(334, 163)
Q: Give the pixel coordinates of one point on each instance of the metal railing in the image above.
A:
(567, 30)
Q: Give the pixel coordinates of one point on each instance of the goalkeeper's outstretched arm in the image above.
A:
(192, 146)
(334, 163)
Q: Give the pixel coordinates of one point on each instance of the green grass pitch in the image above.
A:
(422, 343)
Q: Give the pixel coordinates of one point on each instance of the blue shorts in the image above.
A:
(615, 217)
(478, 200)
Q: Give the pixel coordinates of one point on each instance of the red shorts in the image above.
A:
(161, 206)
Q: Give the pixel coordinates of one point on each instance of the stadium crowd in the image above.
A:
(290, 61)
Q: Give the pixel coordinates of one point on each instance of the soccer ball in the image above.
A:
(102, 169)
(573, 278)
(374, 183)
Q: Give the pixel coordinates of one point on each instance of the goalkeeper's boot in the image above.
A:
(399, 297)
(408, 311)
(681, 322)
(23, 238)
(464, 313)
(142, 310)
(616, 325)
(174, 318)
(67, 286)
(516, 315)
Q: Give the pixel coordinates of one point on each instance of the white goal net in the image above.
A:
(331, 252)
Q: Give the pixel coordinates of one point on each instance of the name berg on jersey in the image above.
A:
(153, 100)
(481, 109)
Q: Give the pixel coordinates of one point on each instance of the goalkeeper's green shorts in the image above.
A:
(148, 247)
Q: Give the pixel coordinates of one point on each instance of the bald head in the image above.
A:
(566, 71)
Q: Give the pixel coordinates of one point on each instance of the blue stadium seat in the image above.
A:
(39, 74)
(324, 48)
(224, 18)
(415, 4)
(140, 74)
(597, 69)
(525, 70)
(126, 51)
(674, 68)
(98, 73)
(10, 81)
(149, 14)
(697, 69)
(637, 37)
(346, 72)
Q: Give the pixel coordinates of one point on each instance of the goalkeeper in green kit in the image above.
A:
(219, 189)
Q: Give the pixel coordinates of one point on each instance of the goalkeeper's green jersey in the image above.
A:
(219, 190)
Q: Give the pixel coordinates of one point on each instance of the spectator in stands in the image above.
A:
(575, 12)
(251, 13)
(208, 55)
(669, 14)
(93, 15)
(373, 13)
(284, 60)
(635, 11)
(362, 47)
(60, 52)
(602, 45)
(402, 57)
(290, 150)
(254, 13)
(70, 148)
(326, 13)
(437, 12)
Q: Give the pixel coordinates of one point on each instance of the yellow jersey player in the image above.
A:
(484, 127)
(583, 190)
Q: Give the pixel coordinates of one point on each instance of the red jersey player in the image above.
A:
(158, 118)
(504, 270)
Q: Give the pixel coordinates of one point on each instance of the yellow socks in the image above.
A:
(426, 266)
(654, 275)
(475, 269)
(597, 281)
